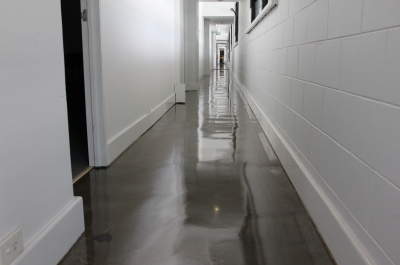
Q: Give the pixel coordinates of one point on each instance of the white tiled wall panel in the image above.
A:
(391, 89)
(282, 61)
(352, 182)
(288, 32)
(313, 103)
(285, 90)
(290, 117)
(284, 4)
(327, 60)
(297, 95)
(317, 25)
(327, 72)
(277, 37)
(302, 132)
(263, 60)
(305, 3)
(380, 14)
(345, 17)
(339, 116)
(362, 64)
(384, 219)
(389, 148)
(277, 86)
(275, 61)
(300, 27)
(268, 61)
(293, 61)
(321, 160)
(280, 114)
(365, 143)
(306, 62)
(294, 7)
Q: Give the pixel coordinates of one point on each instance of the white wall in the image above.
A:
(207, 44)
(201, 41)
(35, 170)
(179, 42)
(214, 51)
(323, 78)
(137, 47)
(191, 36)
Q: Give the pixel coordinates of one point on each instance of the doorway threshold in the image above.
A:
(80, 175)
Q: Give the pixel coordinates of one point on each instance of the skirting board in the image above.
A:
(56, 239)
(347, 240)
(118, 144)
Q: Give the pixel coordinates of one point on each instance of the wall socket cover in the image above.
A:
(11, 247)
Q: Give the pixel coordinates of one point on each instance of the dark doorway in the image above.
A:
(75, 85)
(221, 56)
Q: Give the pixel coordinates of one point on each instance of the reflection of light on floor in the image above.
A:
(217, 143)
(214, 149)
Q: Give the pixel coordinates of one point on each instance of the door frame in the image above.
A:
(97, 141)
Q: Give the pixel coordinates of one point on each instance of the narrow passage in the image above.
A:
(202, 186)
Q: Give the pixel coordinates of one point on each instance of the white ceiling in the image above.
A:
(212, 9)
(220, 16)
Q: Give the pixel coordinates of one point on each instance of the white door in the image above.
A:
(97, 141)
(86, 69)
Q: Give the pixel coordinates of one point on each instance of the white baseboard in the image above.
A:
(347, 240)
(56, 239)
(192, 86)
(118, 144)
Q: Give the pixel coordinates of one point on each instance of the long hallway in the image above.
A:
(202, 186)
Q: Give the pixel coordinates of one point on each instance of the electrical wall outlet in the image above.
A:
(11, 247)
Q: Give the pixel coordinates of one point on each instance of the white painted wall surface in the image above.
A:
(323, 78)
(201, 41)
(207, 44)
(179, 42)
(212, 46)
(214, 51)
(138, 67)
(191, 24)
(35, 170)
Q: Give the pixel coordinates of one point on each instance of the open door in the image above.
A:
(77, 78)
(88, 85)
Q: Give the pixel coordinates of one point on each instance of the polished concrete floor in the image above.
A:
(202, 186)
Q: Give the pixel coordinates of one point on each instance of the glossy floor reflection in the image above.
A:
(203, 186)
